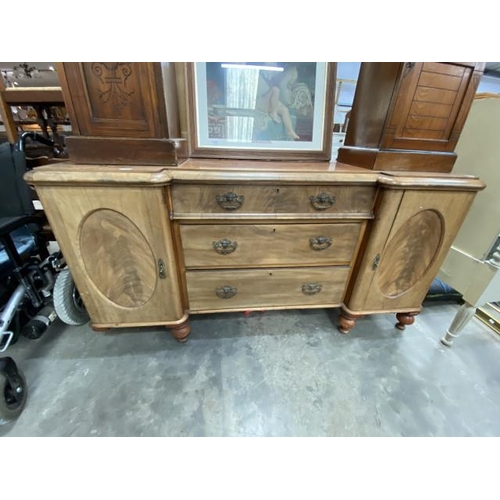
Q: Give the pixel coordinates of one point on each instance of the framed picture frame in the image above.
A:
(270, 111)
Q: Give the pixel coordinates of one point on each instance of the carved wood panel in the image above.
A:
(116, 99)
(113, 90)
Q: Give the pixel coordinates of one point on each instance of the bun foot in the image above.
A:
(346, 322)
(181, 332)
(404, 320)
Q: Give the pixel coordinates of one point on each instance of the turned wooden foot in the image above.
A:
(346, 322)
(463, 316)
(99, 328)
(404, 320)
(181, 332)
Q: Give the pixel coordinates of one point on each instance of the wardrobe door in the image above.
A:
(430, 106)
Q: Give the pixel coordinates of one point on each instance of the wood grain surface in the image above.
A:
(282, 199)
(407, 246)
(410, 252)
(266, 287)
(134, 232)
(118, 258)
(269, 244)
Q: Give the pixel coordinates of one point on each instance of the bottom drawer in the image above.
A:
(223, 290)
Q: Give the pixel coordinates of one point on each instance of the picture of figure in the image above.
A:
(260, 103)
(278, 98)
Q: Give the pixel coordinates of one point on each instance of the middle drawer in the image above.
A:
(249, 245)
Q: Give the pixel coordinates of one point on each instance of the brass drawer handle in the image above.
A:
(322, 201)
(230, 201)
(311, 288)
(226, 292)
(225, 246)
(320, 243)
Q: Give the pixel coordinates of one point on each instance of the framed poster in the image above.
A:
(275, 111)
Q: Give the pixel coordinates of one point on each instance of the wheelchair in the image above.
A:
(35, 285)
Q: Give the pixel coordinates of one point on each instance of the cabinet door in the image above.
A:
(117, 243)
(113, 99)
(409, 240)
(431, 105)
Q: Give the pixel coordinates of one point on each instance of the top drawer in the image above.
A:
(237, 201)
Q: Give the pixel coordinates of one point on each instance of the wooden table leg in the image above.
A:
(463, 316)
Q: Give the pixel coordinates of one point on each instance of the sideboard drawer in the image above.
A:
(205, 201)
(252, 245)
(247, 289)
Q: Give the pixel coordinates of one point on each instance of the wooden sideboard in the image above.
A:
(151, 245)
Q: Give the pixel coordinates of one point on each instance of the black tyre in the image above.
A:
(11, 403)
(67, 301)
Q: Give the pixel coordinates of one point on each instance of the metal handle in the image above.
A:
(230, 201)
(225, 246)
(162, 273)
(320, 243)
(226, 292)
(322, 201)
(311, 288)
(376, 261)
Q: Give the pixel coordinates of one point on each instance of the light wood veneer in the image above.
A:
(149, 245)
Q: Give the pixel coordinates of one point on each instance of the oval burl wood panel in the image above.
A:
(118, 258)
(410, 253)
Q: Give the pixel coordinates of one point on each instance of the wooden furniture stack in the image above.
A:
(149, 244)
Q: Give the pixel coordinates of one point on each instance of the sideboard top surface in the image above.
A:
(230, 171)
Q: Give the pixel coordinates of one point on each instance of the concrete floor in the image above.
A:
(281, 373)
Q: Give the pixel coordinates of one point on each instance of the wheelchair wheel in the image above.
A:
(67, 301)
(11, 403)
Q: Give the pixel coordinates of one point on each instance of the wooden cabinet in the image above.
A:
(147, 244)
(430, 107)
(122, 113)
(117, 242)
(407, 242)
(409, 116)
